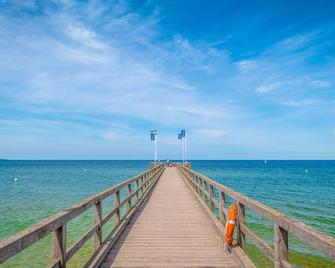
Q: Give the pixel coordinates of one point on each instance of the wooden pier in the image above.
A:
(170, 217)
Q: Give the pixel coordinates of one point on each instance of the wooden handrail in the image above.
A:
(283, 224)
(56, 224)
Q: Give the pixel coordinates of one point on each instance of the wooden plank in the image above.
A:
(211, 197)
(222, 205)
(170, 231)
(242, 258)
(129, 197)
(98, 223)
(109, 216)
(240, 220)
(258, 242)
(77, 245)
(16, 243)
(281, 245)
(59, 246)
(320, 241)
(117, 206)
(99, 256)
(137, 189)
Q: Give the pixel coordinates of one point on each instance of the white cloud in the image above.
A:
(113, 135)
(320, 83)
(210, 133)
(265, 88)
(85, 37)
(247, 65)
(297, 103)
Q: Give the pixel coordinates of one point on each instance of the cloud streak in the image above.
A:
(106, 72)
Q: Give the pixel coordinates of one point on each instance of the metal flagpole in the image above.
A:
(155, 148)
(185, 145)
(182, 148)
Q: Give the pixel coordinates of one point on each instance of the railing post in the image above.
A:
(117, 205)
(240, 219)
(137, 189)
(142, 186)
(222, 204)
(129, 198)
(201, 182)
(281, 245)
(98, 221)
(211, 196)
(205, 190)
(59, 246)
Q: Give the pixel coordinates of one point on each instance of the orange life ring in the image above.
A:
(232, 213)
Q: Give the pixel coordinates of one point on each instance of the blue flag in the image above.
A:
(179, 136)
(183, 133)
(152, 137)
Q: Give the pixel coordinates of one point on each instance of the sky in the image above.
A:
(90, 79)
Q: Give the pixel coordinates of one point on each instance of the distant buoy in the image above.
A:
(306, 170)
(16, 179)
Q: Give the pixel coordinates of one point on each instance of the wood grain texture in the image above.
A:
(320, 241)
(171, 230)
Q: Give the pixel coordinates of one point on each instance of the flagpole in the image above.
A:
(185, 146)
(155, 149)
(182, 149)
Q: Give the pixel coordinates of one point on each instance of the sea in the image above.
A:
(30, 191)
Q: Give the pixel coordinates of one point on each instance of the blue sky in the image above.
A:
(90, 79)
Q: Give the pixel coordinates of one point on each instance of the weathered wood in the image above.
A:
(129, 197)
(77, 245)
(211, 197)
(109, 215)
(170, 231)
(222, 205)
(15, 244)
(243, 259)
(142, 185)
(59, 246)
(137, 189)
(320, 241)
(117, 231)
(240, 220)
(117, 206)
(281, 245)
(98, 223)
(258, 242)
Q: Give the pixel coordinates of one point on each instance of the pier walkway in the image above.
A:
(171, 229)
(166, 217)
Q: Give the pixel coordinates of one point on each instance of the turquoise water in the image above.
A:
(303, 189)
(45, 187)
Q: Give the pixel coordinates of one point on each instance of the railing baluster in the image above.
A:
(98, 220)
(240, 219)
(129, 197)
(281, 245)
(142, 186)
(222, 204)
(137, 190)
(59, 246)
(117, 205)
(205, 190)
(211, 195)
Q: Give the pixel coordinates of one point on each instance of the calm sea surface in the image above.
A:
(32, 190)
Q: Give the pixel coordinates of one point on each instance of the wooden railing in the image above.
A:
(56, 224)
(204, 188)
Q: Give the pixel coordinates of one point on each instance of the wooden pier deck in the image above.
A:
(171, 229)
(167, 217)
